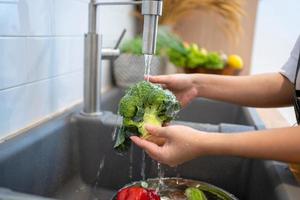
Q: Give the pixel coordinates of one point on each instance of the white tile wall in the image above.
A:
(41, 56)
(70, 17)
(43, 17)
(12, 54)
(27, 103)
(26, 17)
(9, 18)
(37, 58)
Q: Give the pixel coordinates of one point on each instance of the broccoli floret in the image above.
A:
(144, 103)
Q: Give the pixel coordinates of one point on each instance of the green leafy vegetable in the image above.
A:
(196, 57)
(133, 46)
(214, 61)
(165, 39)
(179, 53)
(220, 194)
(177, 58)
(193, 193)
(144, 103)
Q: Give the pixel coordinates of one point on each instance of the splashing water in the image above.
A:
(148, 60)
(160, 174)
(117, 124)
(131, 162)
(114, 133)
(93, 193)
(177, 174)
(143, 167)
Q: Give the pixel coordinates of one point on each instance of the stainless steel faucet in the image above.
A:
(94, 53)
(151, 10)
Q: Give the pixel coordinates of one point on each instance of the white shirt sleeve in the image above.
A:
(289, 68)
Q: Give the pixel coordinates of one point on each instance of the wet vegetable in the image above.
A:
(193, 193)
(144, 103)
(137, 193)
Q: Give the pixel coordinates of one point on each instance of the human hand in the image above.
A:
(180, 145)
(182, 85)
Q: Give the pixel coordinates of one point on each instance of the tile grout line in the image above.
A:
(41, 36)
(9, 2)
(43, 79)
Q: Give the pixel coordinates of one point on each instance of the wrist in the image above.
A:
(216, 144)
(199, 82)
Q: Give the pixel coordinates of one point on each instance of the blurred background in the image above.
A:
(276, 32)
(41, 47)
(261, 32)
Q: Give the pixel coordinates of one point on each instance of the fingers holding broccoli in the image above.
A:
(144, 103)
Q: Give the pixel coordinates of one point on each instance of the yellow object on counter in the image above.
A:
(235, 62)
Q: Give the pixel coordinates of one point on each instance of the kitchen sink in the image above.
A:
(70, 156)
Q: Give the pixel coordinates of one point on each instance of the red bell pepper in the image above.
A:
(137, 193)
(153, 195)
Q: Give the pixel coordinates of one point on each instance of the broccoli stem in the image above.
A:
(150, 117)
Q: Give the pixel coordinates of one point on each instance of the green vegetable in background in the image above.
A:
(176, 51)
(165, 40)
(214, 61)
(191, 56)
(144, 103)
(196, 57)
(133, 46)
(177, 58)
(193, 193)
(179, 53)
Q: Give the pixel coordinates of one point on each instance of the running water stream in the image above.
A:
(93, 194)
(160, 174)
(131, 163)
(177, 174)
(148, 60)
(143, 167)
(131, 150)
(160, 171)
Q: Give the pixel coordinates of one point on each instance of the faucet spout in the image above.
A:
(151, 10)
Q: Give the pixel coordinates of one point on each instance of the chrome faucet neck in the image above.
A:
(93, 52)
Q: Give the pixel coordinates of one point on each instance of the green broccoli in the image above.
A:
(144, 103)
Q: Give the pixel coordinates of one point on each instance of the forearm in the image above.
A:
(266, 90)
(275, 144)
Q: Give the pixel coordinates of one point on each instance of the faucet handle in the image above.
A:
(120, 38)
(108, 53)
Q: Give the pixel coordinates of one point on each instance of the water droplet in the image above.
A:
(101, 165)
(143, 167)
(114, 134)
(160, 174)
(130, 162)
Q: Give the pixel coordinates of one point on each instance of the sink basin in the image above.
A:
(61, 158)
